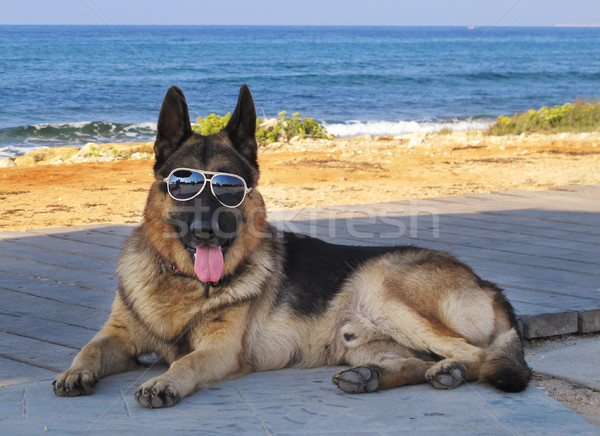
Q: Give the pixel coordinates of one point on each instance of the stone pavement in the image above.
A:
(300, 402)
(56, 286)
(577, 359)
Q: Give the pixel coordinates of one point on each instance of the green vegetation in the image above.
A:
(579, 116)
(268, 130)
(210, 124)
(115, 153)
(94, 151)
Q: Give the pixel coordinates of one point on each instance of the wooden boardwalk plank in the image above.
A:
(460, 205)
(25, 306)
(37, 353)
(122, 230)
(573, 230)
(45, 330)
(548, 300)
(528, 200)
(513, 272)
(459, 225)
(86, 236)
(57, 273)
(503, 224)
(520, 254)
(53, 257)
(481, 239)
(63, 292)
(62, 245)
(591, 188)
(572, 199)
(531, 309)
(561, 220)
(562, 194)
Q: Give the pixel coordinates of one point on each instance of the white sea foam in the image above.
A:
(145, 127)
(15, 141)
(374, 128)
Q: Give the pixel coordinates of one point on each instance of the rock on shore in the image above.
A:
(88, 153)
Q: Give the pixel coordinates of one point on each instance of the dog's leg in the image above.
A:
(461, 360)
(218, 356)
(109, 352)
(462, 363)
(380, 365)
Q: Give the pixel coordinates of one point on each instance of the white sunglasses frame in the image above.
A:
(206, 179)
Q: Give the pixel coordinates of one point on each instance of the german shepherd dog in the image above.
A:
(208, 284)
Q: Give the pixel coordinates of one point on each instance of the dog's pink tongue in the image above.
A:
(208, 264)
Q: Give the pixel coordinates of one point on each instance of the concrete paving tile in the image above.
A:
(549, 324)
(575, 359)
(589, 320)
(14, 373)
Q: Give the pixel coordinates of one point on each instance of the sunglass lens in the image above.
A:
(230, 190)
(184, 184)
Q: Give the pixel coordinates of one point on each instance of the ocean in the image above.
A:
(68, 85)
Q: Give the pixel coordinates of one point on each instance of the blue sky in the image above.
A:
(303, 12)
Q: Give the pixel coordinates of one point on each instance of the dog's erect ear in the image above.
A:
(173, 125)
(241, 128)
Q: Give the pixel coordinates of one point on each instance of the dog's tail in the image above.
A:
(504, 365)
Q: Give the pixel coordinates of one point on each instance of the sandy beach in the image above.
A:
(310, 173)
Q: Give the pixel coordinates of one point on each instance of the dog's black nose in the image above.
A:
(204, 229)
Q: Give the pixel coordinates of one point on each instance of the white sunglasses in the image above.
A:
(184, 184)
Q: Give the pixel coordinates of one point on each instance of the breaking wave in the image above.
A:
(19, 140)
(380, 128)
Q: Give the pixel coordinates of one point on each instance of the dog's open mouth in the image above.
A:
(208, 262)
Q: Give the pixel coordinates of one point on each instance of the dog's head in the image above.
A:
(197, 211)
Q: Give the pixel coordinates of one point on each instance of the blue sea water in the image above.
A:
(67, 85)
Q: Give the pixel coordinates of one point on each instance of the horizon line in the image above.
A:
(474, 26)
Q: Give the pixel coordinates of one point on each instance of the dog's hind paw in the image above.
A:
(357, 380)
(155, 394)
(446, 375)
(74, 382)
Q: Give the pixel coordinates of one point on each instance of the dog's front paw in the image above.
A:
(157, 393)
(446, 374)
(357, 380)
(75, 382)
